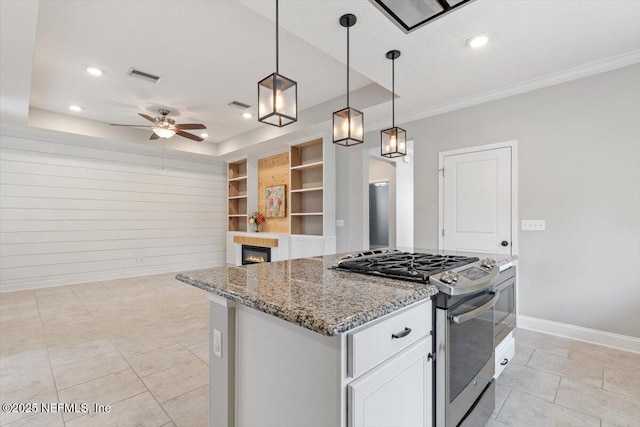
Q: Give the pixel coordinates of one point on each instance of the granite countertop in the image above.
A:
(308, 293)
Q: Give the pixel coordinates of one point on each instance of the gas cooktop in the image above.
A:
(415, 267)
(452, 274)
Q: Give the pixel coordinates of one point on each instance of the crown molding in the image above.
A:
(586, 70)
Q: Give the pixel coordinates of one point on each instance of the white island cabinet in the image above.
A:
(270, 372)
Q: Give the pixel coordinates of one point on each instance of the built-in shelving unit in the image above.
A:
(237, 195)
(307, 188)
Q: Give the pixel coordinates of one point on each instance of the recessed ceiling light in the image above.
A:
(247, 115)
(94, 71)
(478, 41)
(204, 135)
(75, 108)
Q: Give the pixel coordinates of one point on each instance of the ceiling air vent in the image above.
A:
(144, 76)
(239, 105)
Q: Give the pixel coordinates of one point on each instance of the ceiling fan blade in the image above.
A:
(188, 135)
(154, 136)
(134, 126)
(186, 126)
(151, 119)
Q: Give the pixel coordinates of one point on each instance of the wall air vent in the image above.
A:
(239, 105)
(133, 72)
(410, 15)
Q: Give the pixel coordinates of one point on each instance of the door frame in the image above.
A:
(514, 187)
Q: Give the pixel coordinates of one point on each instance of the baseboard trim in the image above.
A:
(578, 333)
(75, 279)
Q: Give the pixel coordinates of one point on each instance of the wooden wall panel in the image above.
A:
(273, 170)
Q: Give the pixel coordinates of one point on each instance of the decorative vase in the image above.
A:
(256, 225)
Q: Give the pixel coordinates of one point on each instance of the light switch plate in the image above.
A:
(339, 222)
(217, 343)
(533, 225)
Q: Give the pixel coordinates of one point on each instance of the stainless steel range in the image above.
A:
(464, 325)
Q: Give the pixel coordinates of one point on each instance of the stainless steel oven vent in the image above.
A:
(409, 15)
(133, 72)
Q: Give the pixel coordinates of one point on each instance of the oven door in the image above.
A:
(468, 353)
(505, 309)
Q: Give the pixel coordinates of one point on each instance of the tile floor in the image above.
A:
(140, 345)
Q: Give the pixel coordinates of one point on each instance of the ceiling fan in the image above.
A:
(165, 127)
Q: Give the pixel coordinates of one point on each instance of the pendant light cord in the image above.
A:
(393, 93)
(347, 67)
(277, 40)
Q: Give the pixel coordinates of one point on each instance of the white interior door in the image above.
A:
(477, 201)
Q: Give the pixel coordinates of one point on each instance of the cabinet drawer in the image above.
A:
(373, 345)
(504, 353)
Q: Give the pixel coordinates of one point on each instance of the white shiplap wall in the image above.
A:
(74, 214)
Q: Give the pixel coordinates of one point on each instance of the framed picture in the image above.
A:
(275, 201)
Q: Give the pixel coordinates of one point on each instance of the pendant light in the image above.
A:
(348, 123)
(277, 94)
(393, 141)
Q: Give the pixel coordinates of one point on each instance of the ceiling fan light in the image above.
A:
(164, 132)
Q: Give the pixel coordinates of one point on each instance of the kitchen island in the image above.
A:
(297, 343)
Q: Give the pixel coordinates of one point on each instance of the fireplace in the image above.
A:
(255, 254)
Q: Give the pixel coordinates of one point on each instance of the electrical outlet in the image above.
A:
(339, 222)
(533, 225)
(217, 343)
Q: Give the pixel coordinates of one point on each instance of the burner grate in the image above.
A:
(415, 267)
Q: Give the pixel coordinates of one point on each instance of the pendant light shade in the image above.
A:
(348, 123)
(393, 141)
(277, 94)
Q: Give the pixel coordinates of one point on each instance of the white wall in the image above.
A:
(73, 214)
(579, 160)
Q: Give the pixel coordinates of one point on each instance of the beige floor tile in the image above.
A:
(32, 384)
(17, 297)
(524, 410)
(522, 354)
(178, 380)
(622, 379)
(107, 390)
(158, 360)
(89, 369)
(502, 392)
(43, 419)
(202, 352)
(145, 343)
(191, 409)
(616, 408)
(194, 338)
(171, 424)
(184, 325)
(140, 411)
(35, 356)
(532, 381)
(538, 341)
(67, 354)
(582, 371)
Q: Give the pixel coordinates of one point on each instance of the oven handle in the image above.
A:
(461, 318)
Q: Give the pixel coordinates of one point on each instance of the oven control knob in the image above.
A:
(449, 277)
(487, 263)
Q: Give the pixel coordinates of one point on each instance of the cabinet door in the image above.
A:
(397, 393)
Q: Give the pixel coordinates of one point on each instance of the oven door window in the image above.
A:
(505, 307)
(470, 344)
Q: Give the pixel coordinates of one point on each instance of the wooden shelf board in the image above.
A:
(307, 214)
(304, 190)
(238, 178)
(238, 197)
(237, 216)
(256, 241)
(307, 166)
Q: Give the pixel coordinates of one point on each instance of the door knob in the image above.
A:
(504, 243)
